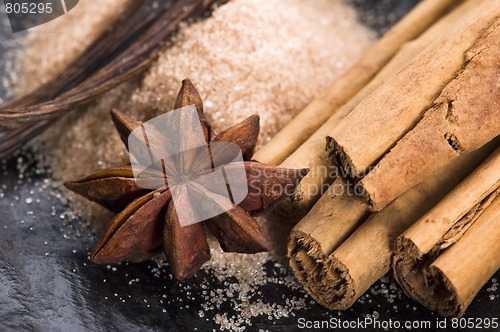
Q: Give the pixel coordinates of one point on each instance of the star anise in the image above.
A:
(147, 219)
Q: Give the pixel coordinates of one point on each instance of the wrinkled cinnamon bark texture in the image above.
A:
(434, 264)
(336, 260)
(463, 118)
(382, 119)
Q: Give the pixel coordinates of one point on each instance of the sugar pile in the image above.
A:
(266, 57)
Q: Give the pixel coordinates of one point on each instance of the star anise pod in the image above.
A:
(147, 217)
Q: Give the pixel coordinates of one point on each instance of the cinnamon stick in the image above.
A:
(336, 267)
(312, 154)
(353, 80)
(463, 118)
(382, 119)
(432, 274)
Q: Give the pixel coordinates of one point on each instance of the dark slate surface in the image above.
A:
(47, 282)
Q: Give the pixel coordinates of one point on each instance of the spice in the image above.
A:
(338, 250)
(242, 67)
(462, 119)
(312, 152)
(444, 259)
(406, 97)
(135, 233)
(337, 258)
(311, 118)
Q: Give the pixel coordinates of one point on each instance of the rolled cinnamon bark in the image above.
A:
(463, 118)
(312, 153)
(430, 255)
(336, 267)
(466, 266)
(383, 118)
(348, 84)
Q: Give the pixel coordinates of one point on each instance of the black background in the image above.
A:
(47, 282)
